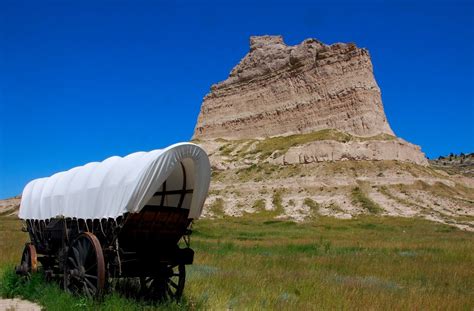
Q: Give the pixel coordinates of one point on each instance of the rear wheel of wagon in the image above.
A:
(169, 284)
(29, 261)
(85, 268)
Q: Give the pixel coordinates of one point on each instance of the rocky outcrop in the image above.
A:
(321, 151)
(299, 131)
(278, 89)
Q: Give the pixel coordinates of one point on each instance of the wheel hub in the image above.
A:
(78, 273)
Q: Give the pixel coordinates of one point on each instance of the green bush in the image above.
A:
(278, 202)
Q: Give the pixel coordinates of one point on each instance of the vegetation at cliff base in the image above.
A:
(360, 198)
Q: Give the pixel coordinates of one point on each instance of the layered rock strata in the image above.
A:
(278, 89)
(321, 151)
(297, 132)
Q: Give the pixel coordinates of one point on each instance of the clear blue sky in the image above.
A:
(83, 80)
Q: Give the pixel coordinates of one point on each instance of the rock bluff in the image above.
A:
(278, 89)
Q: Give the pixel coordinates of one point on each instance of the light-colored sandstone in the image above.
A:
(392, 172)
(10, 206)
(278, 89)
(326, 150)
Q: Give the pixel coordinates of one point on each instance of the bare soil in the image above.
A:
(18, 305)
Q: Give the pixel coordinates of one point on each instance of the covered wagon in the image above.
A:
(124, 217)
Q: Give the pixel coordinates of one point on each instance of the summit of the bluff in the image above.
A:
(277, 89)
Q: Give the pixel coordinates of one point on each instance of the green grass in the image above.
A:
(253, 263)
(50, 296)
(278, 202)
(313, 205)
(380, 263)
(259, 205)
(267, 171)
(227, 149)
(360, 198)
(217, 207)
(404, 202)
(282, 143)
(264, 171)
(12, 240)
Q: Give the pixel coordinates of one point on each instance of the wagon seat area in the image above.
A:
(163, 220)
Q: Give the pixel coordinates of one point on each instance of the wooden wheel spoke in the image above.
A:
(71, 260)
(167, 284)
(76, 255)
(90, 276)
(148, 281)
(91, 285)
(91, 267)
(89, 250)
(84, 251)
(87, 290)
(173, 284)
(79, 249)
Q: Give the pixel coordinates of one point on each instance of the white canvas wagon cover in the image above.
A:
(119, 185)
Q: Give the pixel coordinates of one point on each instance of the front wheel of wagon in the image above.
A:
(168, 285)
(85, 267)
(29, 261)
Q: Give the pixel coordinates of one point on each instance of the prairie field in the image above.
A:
(258, 262)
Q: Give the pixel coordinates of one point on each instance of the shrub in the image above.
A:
(278, 202)
(259, 205)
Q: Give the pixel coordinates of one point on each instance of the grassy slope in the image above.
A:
(256, 262)
(266, 147)
(267, 171)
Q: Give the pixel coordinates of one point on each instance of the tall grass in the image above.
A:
(253, 263)
(52, 297)
(12, 240)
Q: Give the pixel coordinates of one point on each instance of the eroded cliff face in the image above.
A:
(278, 89)
(299, 131)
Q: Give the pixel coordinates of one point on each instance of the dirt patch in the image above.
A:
(18, 305)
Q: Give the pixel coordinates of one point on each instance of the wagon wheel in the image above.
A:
(85, 267)
(169, 284)
(29, 261)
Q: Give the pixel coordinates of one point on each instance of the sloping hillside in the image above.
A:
(249, 176)
(456, 164)
(10, 206)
